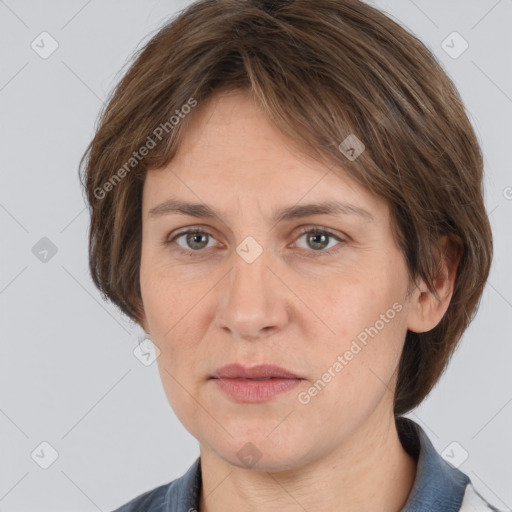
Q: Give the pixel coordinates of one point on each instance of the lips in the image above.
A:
(259, 383)
(259, 372)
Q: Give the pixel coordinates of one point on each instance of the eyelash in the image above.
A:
(304, 231)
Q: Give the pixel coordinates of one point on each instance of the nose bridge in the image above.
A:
(252, 303)
(250, 266)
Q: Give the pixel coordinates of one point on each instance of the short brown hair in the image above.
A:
(323, 70)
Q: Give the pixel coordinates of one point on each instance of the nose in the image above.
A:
(253, 300)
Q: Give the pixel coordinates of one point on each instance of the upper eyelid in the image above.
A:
(302, 230)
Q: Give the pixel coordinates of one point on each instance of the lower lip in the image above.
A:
(245, 390)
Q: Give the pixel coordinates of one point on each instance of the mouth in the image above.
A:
(256, 384)
(256, 373)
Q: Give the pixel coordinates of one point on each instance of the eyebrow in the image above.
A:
(333, 208)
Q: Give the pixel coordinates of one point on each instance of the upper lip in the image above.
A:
(237, 371)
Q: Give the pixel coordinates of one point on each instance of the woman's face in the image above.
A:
(250, 289)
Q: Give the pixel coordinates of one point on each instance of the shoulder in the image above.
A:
(150, 501)
(474, 502)
(181, 494)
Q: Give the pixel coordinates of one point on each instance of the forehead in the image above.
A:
(233, 153)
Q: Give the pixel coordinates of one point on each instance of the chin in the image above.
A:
(260, 453)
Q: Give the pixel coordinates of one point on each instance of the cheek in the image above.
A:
(178, 387)
(170, 315)
(367, 327)
(350, 303)
(163, 296)
(177, 313)
(165, 310)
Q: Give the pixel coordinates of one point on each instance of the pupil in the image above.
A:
(193, 238)
(319, 235)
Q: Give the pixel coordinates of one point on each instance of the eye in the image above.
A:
(318, 240)
(194, 239)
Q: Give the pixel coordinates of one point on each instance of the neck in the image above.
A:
(370, 471)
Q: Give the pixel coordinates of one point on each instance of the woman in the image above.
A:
(287, 197)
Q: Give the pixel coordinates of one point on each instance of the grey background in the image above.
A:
(68, 375)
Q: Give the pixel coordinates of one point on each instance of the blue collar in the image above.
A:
(437, 486)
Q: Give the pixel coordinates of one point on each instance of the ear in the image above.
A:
(426, 311)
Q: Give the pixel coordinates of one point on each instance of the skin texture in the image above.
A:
(294, 306)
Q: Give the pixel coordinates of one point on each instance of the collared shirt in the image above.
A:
(438, 486)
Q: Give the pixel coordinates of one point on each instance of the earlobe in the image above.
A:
(426, 309)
